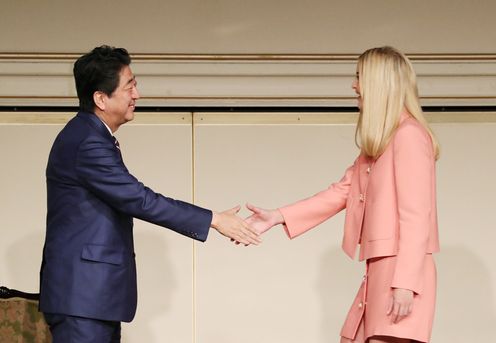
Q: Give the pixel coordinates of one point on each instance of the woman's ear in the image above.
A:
(100, 98)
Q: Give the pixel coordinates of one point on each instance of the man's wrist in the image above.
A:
(215, 220)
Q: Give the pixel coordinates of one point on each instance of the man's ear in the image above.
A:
(100, 99)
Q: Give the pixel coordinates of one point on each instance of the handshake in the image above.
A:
(246, 231)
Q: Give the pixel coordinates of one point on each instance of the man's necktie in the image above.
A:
(116, 142)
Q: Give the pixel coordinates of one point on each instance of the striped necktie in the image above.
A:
(116, 142)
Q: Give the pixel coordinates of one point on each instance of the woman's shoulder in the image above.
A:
(412, 136)
(409, 127)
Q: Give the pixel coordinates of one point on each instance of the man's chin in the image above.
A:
(129, 116)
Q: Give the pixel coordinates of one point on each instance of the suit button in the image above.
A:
(360, 305)
(362, 197)
(368, 169)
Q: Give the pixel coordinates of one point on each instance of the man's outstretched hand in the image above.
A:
(229, 224)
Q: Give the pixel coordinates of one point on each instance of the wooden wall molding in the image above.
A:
(240, 118)
(247, 79)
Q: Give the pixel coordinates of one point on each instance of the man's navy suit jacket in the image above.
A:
(88, 266)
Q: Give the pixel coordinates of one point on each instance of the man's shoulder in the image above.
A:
(72, 136)
(79, 126)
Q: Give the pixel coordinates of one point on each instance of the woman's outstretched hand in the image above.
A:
(262, 219)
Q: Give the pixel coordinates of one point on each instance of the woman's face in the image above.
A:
(356, 87)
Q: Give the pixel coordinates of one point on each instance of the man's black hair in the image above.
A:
(98, 70)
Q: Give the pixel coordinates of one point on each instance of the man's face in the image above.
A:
(119, 106)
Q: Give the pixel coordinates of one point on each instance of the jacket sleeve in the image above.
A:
(305, 214)
(100, 169)
(413, 164)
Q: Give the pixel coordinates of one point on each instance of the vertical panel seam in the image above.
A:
(193, 185)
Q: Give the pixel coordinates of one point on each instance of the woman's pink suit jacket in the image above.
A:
(390, 205)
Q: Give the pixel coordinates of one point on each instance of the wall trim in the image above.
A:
(241, 118)
(250, 57)
(45, 79)
(57, 118)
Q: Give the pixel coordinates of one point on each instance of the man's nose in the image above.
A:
(136, 94)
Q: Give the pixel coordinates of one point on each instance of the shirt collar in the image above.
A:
(108, 128)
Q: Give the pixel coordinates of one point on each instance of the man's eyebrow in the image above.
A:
(131, 80)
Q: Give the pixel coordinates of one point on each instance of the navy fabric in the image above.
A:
(70, 329)
(88, 268)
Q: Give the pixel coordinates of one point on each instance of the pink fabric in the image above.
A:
(390, 207)
(372, 301)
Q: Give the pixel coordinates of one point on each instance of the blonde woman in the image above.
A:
(390, 198)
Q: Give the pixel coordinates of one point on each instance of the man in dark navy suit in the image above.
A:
(88, 272)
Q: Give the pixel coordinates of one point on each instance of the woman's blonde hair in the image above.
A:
(388, 85)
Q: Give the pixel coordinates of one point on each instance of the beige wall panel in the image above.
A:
(466, 310)
(228, 52)
(237, 26)
(24, 152)
(157, 150)
(300, 290)
(281, 291)
(159, 155)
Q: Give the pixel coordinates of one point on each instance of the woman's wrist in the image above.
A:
(277, 216)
